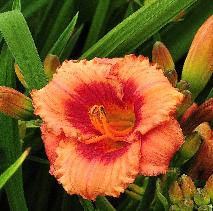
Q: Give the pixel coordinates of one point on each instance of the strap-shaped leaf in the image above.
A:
(137, 28)
(61, 43)
(64, 14)
(13, 168)
(10, 145)
(86, 204)
(16, 5)
(19, 40)
(71, 43)
(103, 204)
(97, 23)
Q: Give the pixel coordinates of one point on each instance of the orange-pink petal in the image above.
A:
(155, 98)
(159, 146)
(51, 143)
(74, 89)
(90, 171)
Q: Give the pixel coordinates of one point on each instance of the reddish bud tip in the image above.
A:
(162, 56)
(15, 104)
(51, 63)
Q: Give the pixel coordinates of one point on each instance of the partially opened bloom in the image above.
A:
(106, 121)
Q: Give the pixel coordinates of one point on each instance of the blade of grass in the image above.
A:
(61, 43)
(137, 28)
(130, 10)
(181, 33)
(148, 195)
(16, 5)
(61, 21)
(10, 146)
(210, 94)
(17, 35)
(43, 28)
(6, 6)
(71, 44)
(86, 204)
(33, 6)
(97, 22)
(13, 168)
(103, 204)
(161, 199)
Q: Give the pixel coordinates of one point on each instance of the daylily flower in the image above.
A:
(106, 121)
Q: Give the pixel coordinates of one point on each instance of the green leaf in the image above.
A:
(71, 43)
(137, 28)
(19, 40)
(148, 195)
(130, 9)
(97, 23)
(61, 43)
(103, 204)
(10, 145)
(162, 199)
(16, 5)
(210, 94)
(62, 19)
(181, 33)
(13, 168)
(6, 6)
(86, 204)
(33, 6)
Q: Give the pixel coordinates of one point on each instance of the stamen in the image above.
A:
(108, 130)
(95, 139)
(94, 118)
(99, 120)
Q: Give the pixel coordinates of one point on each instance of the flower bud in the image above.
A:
(51, 63)
(209, 187)
(15, 104)
(133, 195)
(175, 193)
(204, 130)
(201, 197)
(203, 166)
(205, 208)
(197, 68)
(20, 76)
(162, 56)
(184, 205)
(137, 189)
(187, 187)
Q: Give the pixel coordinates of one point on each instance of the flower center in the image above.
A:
(113, 126)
